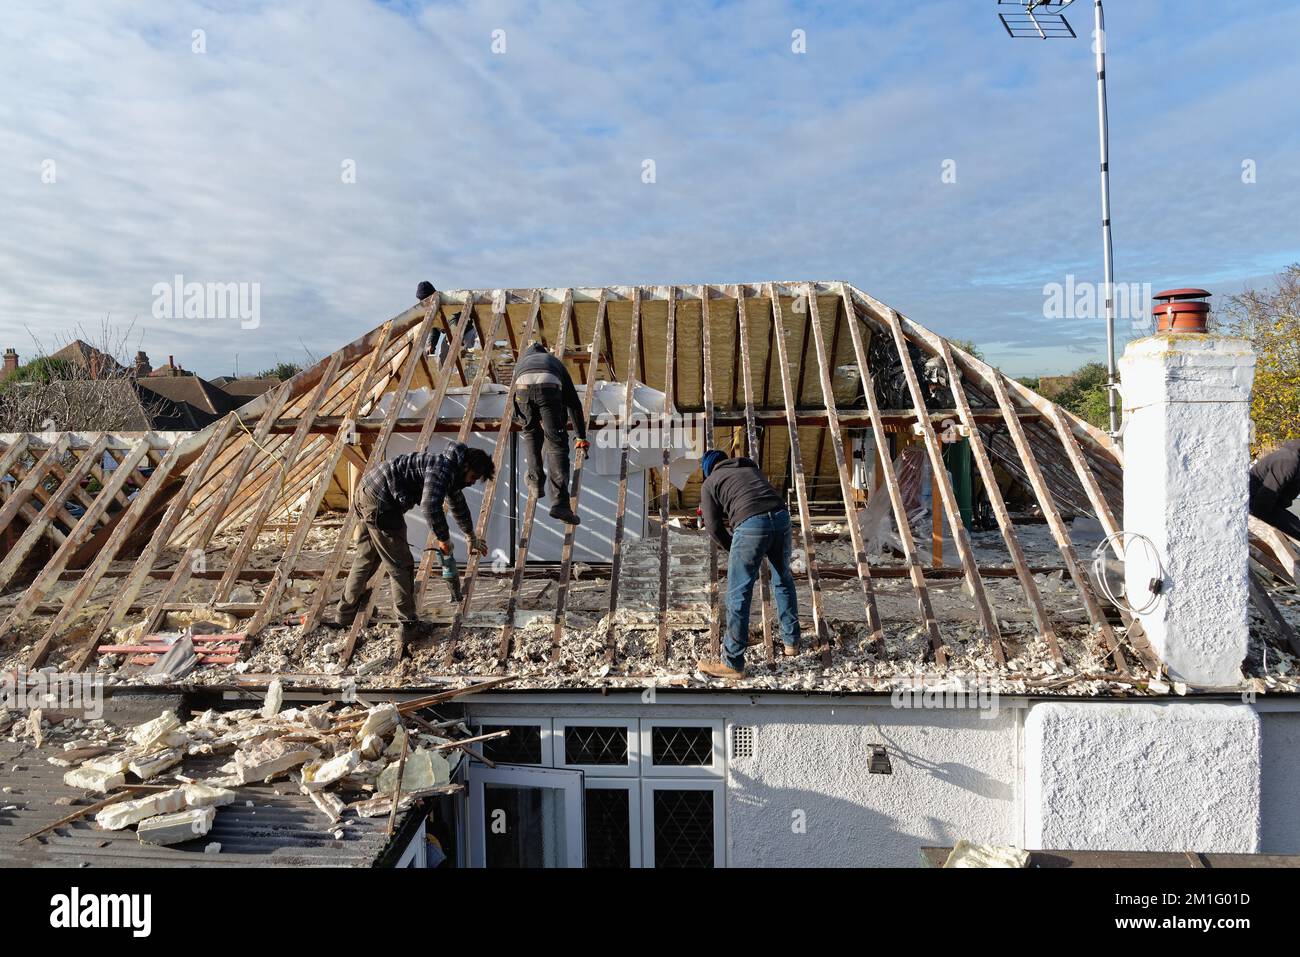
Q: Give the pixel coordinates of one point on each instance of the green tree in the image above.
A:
(281, 370)
(1270, 319)
(1087, 397)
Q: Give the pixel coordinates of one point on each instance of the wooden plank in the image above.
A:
(999, 506)
(14, 558)
(324, 474)
(665, 485)
(176, 510)
(941, 480)
(24, 490)
(616, 565)
(321, 597)
(1259, 594)
(885, 470)
(821, 640)
(566, 552)
(710, 442)
(49, 575)
(1057, 526)
(122, 531)
(842, 469)
(1101, 508)
(161, 535)
(752, 448)
(470, 577)
(171, 591)
(1279, 544)
(270, 493)
(378, 452)
(530, 508)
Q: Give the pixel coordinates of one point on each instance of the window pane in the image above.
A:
(683, 822)
(522, 746)
(609, 835)
(595, 745)
(681, 747)
(523, 826)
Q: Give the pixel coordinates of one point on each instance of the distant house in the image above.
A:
(115, 397)
(245, 388)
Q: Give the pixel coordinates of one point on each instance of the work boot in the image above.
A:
(336, 619)
(790, 651)
(720, 669)
(565, 514)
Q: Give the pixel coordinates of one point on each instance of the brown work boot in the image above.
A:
(790, 651)
(720, 669)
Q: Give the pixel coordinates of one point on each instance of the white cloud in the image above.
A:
(475, 169)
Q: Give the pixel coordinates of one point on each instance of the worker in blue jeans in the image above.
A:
(746, 515)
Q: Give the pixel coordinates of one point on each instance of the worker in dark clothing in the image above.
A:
(1274, 485)
(385, 494)
(544, 400)
(746, 515)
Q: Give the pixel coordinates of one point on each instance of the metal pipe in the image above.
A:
(1103, 132)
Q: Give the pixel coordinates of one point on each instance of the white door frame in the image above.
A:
(527, 776)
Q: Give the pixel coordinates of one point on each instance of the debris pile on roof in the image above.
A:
(347, 759)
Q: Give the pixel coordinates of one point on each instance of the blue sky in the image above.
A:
(524, 168)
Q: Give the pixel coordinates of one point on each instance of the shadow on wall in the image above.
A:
(808, 799)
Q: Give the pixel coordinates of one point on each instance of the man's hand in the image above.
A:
(478, 545)
(582, 445)
(443, 548)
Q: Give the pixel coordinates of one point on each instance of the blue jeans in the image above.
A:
(757, 538)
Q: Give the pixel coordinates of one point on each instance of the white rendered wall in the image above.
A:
(1142, 776)
(806, 799)
(1186, 460)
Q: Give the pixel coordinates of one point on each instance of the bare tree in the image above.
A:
(81, 382)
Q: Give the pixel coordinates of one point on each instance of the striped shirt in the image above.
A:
(427, 478)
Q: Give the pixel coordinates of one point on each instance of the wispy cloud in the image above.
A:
(524, 167)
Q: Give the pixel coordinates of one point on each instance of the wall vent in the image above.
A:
(742, 741)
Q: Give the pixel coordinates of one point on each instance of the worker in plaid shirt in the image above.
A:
(386, 493)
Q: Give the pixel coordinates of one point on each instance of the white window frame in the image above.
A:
(631, 769)
(527, 775)
(547, 732)
(633, 789)
(719, 789)
(716, 770)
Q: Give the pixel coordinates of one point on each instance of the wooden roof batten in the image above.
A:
(277, 454)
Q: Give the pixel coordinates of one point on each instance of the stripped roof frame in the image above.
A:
(278, 454)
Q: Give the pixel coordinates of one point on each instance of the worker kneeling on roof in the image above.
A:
(745, 514)
(1274, 485)
(544, 400)
(386, 493)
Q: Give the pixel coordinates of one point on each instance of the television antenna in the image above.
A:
(1045, 20)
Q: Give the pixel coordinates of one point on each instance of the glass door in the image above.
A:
(525, 817)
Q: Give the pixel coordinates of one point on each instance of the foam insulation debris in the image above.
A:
(344, 757)
(281, 649)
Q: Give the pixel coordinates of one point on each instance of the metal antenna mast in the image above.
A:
(1045, 20)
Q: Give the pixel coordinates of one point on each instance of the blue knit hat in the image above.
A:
(710, 460)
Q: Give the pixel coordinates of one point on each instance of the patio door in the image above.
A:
(525, 817)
